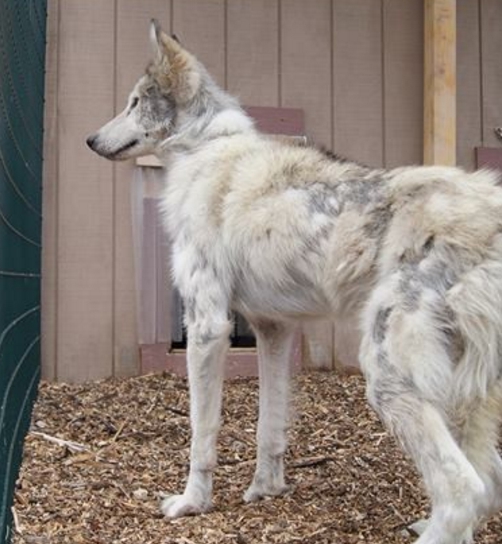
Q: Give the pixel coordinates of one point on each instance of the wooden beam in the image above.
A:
(440, 82)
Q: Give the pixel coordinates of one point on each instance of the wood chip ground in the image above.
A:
(100, 455)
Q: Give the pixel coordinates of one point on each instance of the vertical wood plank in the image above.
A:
(403, 81)
(200, 26)
(491, 48)
(133, 53)
(85, 235)
(469, 82)
(305, 63)
(357, 62)
(440, 82)
(50, 199)
(252, 51)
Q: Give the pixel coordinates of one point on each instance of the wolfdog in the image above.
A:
(281, 233)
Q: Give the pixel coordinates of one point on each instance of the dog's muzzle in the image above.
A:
(116, 154)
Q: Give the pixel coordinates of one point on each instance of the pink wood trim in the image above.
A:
(489, 157)
(151, 161)
(240, 362)
(286, 121)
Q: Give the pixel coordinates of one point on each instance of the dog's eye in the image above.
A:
(134, 102)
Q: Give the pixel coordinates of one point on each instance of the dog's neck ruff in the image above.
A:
(193, 134)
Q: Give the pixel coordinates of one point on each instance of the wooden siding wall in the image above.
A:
(355, 68)
(479, 76)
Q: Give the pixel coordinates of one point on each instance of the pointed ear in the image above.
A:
(173, 64)
(156, 41)
(162, 44)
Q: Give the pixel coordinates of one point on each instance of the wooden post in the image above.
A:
(440, 82)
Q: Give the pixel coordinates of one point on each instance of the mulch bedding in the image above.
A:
(99, 456)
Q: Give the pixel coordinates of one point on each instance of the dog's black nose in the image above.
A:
(91, 141)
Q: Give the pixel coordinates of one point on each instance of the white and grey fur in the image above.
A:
(282, 233)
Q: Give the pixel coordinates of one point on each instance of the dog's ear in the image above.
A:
(168, 49)
(158, 40)
(155, 40)
(174, 66)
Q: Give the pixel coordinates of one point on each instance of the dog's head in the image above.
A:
(171, 81)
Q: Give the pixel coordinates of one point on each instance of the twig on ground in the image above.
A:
(17, 525)
(72, 446)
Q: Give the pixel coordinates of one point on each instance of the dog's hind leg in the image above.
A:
(208, 341)
(455, 488)
(478, 439)
(477, 432)
(274, 341)
(402, 361)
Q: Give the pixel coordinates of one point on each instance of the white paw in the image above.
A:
(257, 492)
(176, 506)
(418, 527)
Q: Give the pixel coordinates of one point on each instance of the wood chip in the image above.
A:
(95, 473)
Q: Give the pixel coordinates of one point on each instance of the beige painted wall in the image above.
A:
(355, 68)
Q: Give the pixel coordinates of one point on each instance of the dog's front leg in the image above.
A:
(274, 342)
(208, 340)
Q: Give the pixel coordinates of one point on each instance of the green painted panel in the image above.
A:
(22, 62)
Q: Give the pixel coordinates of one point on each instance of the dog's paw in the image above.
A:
(176, 506)
(257, 492)
(418, 528)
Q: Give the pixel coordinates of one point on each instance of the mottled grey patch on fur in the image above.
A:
(157, 106)
(425, 270)
(378, 222)
(439, 276)
(382, 358)
(357, 191)
(291, 169)
(381, 324)
(410, 286)
(389, 386)
(209, 100)
(453, 340)
(360, 189)
(322, 200)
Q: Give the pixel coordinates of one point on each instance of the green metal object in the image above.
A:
(22, 60)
